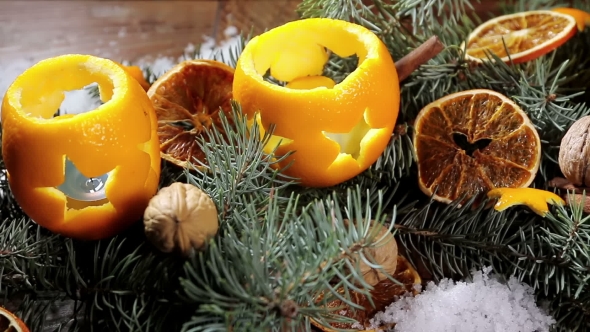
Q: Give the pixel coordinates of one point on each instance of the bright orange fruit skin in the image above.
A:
(306, 116)
(535, 199)
(582, 17)
(119, 136)
(137, 74)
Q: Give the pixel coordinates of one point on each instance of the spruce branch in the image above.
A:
(126, 286)
(281, 245)
(348, 10)
(427, 14)
(28, 257)
(270, 286)
(251, 295)
(550, 254)
(397, 160)
(236, 163)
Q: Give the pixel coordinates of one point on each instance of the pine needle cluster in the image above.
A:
(281, 245)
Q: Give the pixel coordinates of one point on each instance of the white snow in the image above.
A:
(484, 304)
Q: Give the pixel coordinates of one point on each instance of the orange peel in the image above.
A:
(119, 138)
(137, 74)
(535, 199)
(582, 17)
(337, 130)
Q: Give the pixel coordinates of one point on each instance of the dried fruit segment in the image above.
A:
(503, 121)
(519, 147)
(501, 172)
(520, 37)
(458, 112)
(473, 181)
(499, 146)
(486, 105)
(435, 155)
(439, 127)
(188, 100)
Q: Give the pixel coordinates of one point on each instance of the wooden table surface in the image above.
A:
(129, 30)
(126, 30)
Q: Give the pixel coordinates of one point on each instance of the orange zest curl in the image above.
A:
(535, 199)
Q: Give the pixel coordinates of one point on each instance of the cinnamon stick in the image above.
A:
(419, 56)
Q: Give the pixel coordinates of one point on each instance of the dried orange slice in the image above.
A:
(470, 142)
(383, 294)
(187, 100)
(10, 323)
(526, 36)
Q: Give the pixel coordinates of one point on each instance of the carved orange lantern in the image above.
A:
(87, 175)
(337, 130)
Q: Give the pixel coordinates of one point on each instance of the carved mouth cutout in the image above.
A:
(82, 190)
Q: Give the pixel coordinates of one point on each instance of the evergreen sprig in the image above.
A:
(281, 246)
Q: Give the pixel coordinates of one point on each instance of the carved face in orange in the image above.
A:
(336, 130)
(116, 143)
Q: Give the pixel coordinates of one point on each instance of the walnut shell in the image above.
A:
(574, 153)
(180, 217)
(384, 254)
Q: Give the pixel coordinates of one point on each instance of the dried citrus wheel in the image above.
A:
(187, 100)
(10, 323)
(384, 293)
(473, 141)
(526, 36)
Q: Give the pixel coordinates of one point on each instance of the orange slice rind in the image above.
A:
(535, 199)
(520, 37)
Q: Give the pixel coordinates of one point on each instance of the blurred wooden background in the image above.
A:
(128, 30)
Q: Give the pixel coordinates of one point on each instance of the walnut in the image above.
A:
(384, 253)
(574, 153)
(180, 217)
